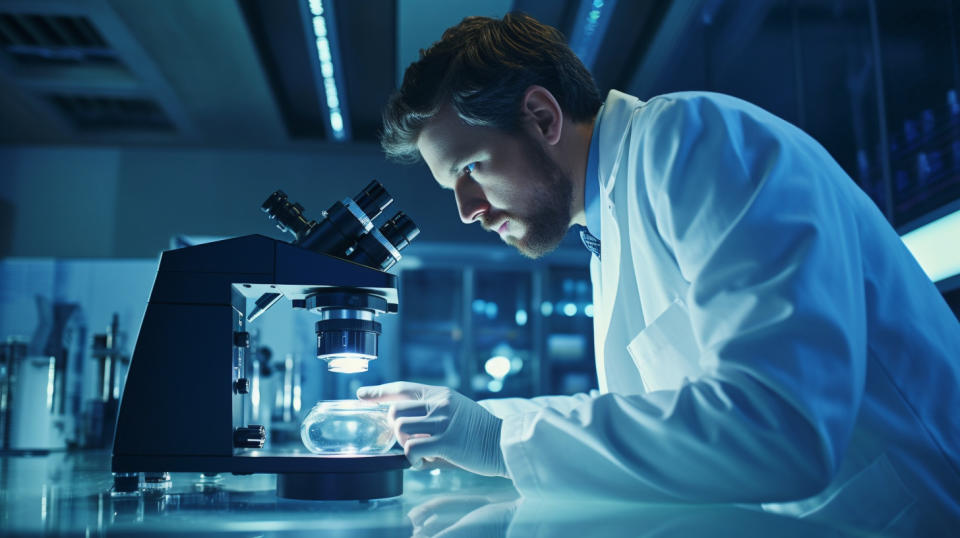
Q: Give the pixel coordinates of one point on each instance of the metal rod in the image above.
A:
(798, 65)
(884, 155)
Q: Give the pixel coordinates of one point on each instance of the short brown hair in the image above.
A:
(483, 67)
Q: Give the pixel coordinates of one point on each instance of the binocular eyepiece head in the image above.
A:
(346, 229)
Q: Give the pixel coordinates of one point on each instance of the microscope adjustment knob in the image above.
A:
(252, 436)
(241, 339)
(242, 385)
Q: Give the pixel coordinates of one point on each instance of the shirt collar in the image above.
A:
(591, 188)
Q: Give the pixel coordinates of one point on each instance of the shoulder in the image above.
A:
(690, 112)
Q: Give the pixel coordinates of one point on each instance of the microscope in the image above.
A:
(183, 403)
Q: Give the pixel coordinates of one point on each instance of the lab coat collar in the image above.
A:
(591, 184)
(614, 120)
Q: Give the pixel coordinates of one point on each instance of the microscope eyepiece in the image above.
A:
(289, 216)
(400, 230)
(373, 199)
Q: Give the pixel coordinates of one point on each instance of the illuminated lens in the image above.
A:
(348, 364)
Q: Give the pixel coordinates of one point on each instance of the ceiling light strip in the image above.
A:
(593, 17)
(937, 246)
(325, 35)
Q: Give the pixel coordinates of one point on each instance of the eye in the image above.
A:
(468, 169)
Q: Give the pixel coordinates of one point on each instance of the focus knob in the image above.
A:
(242, 385)
(241, 339)
(252, 436)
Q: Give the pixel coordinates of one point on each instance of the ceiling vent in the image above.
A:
(102, 113)
(53, 39)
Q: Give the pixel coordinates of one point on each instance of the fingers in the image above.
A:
(414, 425)
(418, 448)
(398, 390)
(409, 408)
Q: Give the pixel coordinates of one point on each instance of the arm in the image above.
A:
(504, 407)
(776, 306)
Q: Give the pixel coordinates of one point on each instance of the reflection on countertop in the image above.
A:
(69, 493)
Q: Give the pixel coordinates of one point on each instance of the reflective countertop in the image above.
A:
(69, 493)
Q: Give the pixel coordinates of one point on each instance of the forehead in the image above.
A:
(446, 140)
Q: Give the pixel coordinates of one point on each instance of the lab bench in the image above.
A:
(68, 493)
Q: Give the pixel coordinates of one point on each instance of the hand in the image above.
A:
(437, 422)
(467, 516)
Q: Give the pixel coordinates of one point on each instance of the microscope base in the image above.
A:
(340, 486)
(299, 475)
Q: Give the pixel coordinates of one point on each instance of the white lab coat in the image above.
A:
(762, 334)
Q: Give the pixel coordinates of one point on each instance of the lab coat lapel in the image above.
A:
(614, 123)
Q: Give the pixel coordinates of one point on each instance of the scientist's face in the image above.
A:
(505, 181)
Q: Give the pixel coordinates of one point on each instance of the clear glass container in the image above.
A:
(347, 427)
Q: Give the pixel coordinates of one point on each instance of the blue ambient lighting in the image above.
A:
(593, 17)
(936, 247)
(326, 69)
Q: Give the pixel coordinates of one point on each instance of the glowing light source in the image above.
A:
(521, 317)
(497, 367)
(347, 364)
(546, 308)
(936, 246)
(569, 310)
(593, 17)
(588, 310)
(327, 71)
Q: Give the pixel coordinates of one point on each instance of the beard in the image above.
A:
(547, 225)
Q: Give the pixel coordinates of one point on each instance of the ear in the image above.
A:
(542, 113)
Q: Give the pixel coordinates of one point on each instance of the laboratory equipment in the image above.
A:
(44, 381)
(12, 353)
(112, 362)
(184, 404)
(347, 427)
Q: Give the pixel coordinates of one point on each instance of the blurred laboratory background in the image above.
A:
(128, 127)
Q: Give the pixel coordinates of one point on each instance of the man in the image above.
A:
(762, 334)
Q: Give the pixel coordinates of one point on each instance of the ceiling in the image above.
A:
(249, 74)
(241, 73)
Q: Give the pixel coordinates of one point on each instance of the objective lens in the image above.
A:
(350, 338)
(348, 365)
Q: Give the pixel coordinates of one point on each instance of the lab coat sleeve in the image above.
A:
(744, 202)
(504, 407)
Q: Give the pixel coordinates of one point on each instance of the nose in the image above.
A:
(470, 200)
